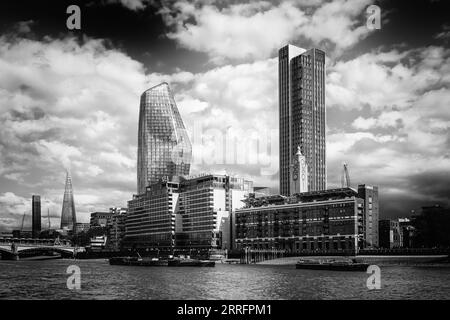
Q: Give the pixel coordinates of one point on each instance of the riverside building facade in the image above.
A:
(206, 207)
(193, 213)
(100, 219)
(301, 89)
(116, 227)
(151, 218)
(371, 213)
(329, 221)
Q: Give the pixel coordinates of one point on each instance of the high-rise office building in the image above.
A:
(301, 86)
(68, 215)
(151, 217)
(36, 216)
(164, 149)
(206, 206)
(186, 213)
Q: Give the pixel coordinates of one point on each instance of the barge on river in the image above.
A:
(186, 262)
(156, 262)
(135, 261)
(332, 264)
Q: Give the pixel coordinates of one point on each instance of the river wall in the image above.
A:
(376, 259)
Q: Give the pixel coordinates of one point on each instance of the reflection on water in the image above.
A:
(99, 280)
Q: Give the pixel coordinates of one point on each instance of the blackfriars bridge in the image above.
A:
(14, 248)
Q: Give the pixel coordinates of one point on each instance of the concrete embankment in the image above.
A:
(380, 260)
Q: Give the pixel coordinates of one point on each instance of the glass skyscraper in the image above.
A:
(68, 214)
(164, 149)
(301, 86)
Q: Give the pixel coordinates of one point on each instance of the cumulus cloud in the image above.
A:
(16, 209)
(13, 208)
(231, 114)
(444, 34)
(399, 104)
(134, 5)
(255, 30)
(75, 104)
(401, 125)
(72, 105)
(390, 79)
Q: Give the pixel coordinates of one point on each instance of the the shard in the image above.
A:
(68, 215)
(164, 149)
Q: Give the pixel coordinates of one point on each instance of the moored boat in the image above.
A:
(332, 264)
(135, 261)
(177, 262)
(42, 257)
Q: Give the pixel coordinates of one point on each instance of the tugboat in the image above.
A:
(332, 264)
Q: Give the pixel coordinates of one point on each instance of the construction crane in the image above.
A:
(345, 177)
(48, 217)
(23, 220)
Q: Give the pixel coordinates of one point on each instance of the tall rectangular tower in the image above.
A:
(36, 216)
(302, 119)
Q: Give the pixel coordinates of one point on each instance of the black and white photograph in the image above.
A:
(208, 150)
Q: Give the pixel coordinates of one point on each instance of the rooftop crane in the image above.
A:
(48, 217)
(23, 220)
(345, 177)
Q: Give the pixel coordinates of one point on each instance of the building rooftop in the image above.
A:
(330, 194)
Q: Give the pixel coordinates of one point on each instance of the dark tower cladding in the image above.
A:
(164, 149)
(68, 215)
(36, 216)
(301, 88)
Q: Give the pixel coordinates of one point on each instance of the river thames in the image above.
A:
(99, 280)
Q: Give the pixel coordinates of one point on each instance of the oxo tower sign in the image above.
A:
(299, 179)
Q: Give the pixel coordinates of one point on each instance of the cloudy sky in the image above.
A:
(70, 99)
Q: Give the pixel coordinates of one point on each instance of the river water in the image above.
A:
(99, 280)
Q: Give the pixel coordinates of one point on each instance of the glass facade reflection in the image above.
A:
(164, 149)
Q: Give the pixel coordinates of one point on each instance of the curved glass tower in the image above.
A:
(164, 149)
